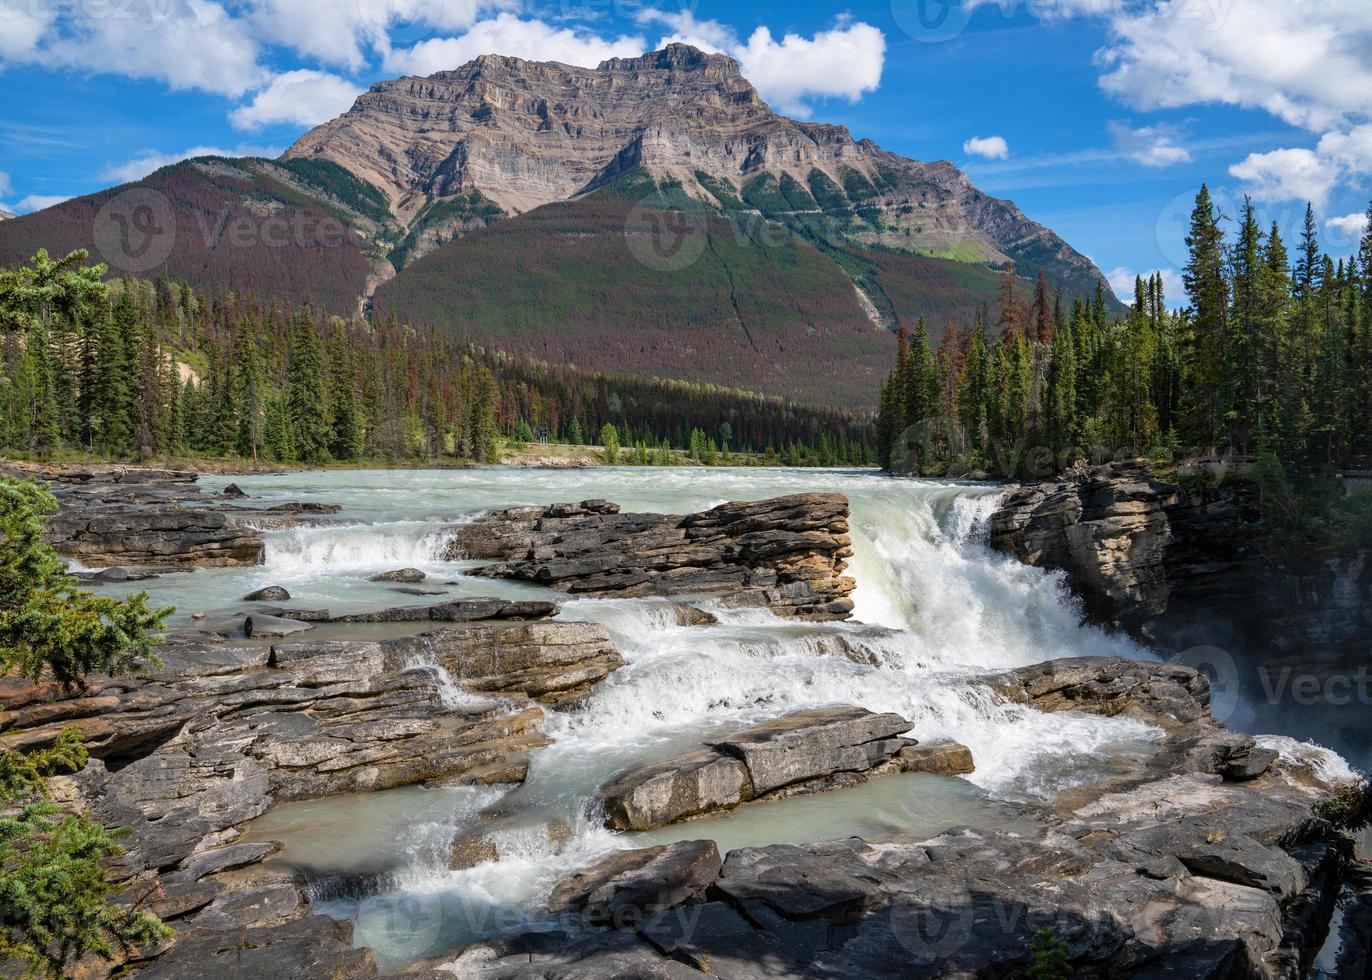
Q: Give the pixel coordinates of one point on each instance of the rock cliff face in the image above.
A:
(524, 134)
(1178, 567)
(787, 554)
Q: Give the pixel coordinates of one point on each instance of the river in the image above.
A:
(950, 610)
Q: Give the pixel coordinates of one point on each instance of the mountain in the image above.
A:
(4, 215)
(520, 204)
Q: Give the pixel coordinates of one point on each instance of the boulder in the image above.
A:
(271, 593)
(498, 837)
(802, 752)
(552, 662)
(808, 745)
(938, 758)
(410, 575)
(627, 886)
(787, 554)
(680, 787)
(234, 491)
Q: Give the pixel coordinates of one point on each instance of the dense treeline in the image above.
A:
(1273, 357)
(138, 369)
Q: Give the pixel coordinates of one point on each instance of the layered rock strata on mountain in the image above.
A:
(1165, 870)
(1180, 566)
(523, 134)
(787, 553)
(796, 754)
(187, 756)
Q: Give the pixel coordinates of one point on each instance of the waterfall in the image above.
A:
(330, 548)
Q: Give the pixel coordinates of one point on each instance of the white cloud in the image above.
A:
(22, 26)
(1348, 228)
(183, 43)
(302, 97)
(509, 35)
(1308, 64)
(1152, 146)
(144, 164)
(1287, 175)
(1122, 282)
(845, 61)
(350, 29)
(990, 147)
(37, 202)
(5, 183)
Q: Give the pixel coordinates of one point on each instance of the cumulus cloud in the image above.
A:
(303, 97)
(845, 61)
(353, 28)
(1287, 175)
(145, 163)
(1122, 282)
(187, 44)
(990, 147)
(1152, 146)
(510, 35)
(1348, 228)
(1308, 64)
(22, 26)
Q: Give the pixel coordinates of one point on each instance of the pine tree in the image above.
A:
(1206, 353)
(305, 383)
(1245, 331)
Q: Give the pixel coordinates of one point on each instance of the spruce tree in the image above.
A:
(1206, 354)
(305, 385)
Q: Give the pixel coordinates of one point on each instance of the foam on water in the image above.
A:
(316, 549)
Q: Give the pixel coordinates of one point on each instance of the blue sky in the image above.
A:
(1100, 118)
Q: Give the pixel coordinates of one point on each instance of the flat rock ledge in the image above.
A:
(799, 753)
(1178, 868)
(156, 519)
(787, 554)
(187, 757)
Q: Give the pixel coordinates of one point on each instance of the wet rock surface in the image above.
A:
(787, 554)
(798, 753)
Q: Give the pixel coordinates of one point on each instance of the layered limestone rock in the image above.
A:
(187, 756)
(1179, 567)
(787, 554)
(799, 753)
(156, 519)
(1106, 527)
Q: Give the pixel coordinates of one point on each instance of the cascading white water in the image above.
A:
(936, 611)
(316, 549)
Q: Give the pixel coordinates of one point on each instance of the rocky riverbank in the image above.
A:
(1202, 857)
